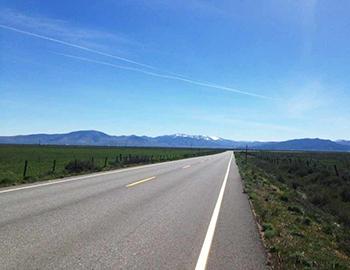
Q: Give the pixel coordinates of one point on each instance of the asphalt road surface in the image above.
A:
(186, 214)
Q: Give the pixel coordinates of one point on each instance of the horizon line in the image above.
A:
(176, 134)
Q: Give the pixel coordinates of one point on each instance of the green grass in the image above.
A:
(301, 203)
(72, 160)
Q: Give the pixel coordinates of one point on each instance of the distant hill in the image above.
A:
(306, 145)
(97, 138)
(343, 142)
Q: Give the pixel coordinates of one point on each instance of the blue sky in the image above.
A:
(244, 70)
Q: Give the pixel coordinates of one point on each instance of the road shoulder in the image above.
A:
(236, 243)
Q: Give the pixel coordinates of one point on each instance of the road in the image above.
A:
(185, 214)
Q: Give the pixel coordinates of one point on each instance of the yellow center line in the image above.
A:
(140, 181)
(185, 167)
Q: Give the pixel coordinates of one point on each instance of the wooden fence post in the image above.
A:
(25, 168)
(336, 170)
(54, 165)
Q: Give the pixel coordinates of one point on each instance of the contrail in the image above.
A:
(74, 46)
(165, 76)
(177, 77)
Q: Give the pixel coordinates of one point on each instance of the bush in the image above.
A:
(77, 166)
(344, 243)
(298, 258)
(295, 209)
(284, 198)
(328, 229)
(301, 172)
(269, 230)
(6, 182)
(319, 200)
(307, 221)
(280, 179)
(269, 234)
(267, 226)
(295, 185)
(345, 195)
(345, 219)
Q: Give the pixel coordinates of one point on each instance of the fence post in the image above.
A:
(336, 170)
(75, 163)
(54, 165)
(25, 168)
(106, 159)
(92, 161)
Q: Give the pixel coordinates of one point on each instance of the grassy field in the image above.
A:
(302, 202)
(47, 162)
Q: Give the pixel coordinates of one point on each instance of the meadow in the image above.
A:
(302, 203)
(48, 162)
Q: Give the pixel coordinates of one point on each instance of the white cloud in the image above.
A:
(73, 45)
(170, 77)
(61, 29)
(306, 99)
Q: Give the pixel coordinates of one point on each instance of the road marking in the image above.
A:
(203, 256)
(185, 167)
(140, 181)
(54, 182)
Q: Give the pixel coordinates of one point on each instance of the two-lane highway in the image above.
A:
(186, 214)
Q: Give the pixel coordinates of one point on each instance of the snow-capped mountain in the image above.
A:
(198, 137)
(97, 138)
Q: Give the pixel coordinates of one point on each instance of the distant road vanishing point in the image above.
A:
(185, 214)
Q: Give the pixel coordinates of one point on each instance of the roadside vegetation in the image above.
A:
(30, 163)
(302, 203)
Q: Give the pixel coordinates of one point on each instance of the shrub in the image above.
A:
(267, 226)
(295, 185)
(307, 221)
(345, 195)
(6, 182)
(327, 229)
(345, 218)
(273, 249)
(298, 258)
(301, 172)
(280, 179)
(295, 209)
(269, 230)
(319, 199)
(344, 243)
(77, 166)
(284, 198)
(269, 234)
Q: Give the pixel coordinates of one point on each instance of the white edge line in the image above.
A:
(203, 256)
(54, 182)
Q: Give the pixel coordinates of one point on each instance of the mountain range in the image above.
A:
(97, 138)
